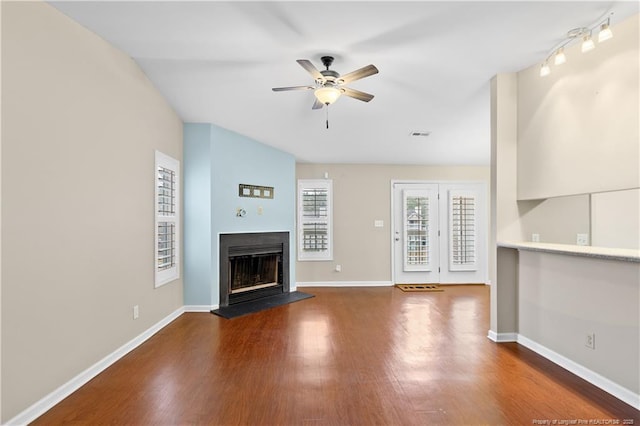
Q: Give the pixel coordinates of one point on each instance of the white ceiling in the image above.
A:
(216, 62)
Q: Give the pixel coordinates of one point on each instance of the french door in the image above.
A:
(439, 233)
(416, 233)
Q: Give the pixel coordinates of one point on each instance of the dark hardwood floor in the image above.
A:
(349, 356)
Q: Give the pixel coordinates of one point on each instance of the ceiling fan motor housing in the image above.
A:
(327, 61)
(330, 74)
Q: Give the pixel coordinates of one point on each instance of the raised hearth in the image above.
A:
(253, 265)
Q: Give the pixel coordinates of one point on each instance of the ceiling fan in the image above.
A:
(328, 85)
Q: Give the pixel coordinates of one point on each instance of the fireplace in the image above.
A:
(253, 265)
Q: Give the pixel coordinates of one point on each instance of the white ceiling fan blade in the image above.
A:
(311, 69)
(283, 89)
(356, 94)
(358, 74)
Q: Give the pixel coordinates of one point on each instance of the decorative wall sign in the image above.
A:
(255, 191)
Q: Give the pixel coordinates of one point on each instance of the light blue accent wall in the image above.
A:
(197, 214)
(231, 159)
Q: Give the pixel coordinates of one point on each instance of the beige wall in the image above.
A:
(555, 220)
(80, 126)
(504, 149)
(578, 128)
(615, 219)
(362, 194)
(564, 298)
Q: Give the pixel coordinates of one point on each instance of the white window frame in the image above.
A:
(308, 184)
(166, 275)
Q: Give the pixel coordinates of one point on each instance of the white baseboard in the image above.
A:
(581, 371)
(200, 308)
(345, 284)
(43, 405)
(502, 337)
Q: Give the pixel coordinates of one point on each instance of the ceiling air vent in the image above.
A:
(420, 134)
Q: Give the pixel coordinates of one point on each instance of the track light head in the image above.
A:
(560, 57)
(587, 43)
(545, 70)
(605, 32)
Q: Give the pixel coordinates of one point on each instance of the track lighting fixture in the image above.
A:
(583, 33)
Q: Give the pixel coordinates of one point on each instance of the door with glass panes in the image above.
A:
(439, 233)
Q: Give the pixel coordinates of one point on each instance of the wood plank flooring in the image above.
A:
(349, 356)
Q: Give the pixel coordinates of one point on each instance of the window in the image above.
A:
(315, 217)
(417, 229)
(167, 208)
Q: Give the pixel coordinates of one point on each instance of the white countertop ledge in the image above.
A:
(626, 255)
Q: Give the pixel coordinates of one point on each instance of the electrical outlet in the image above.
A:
(136, 312)
(582, 239)
(590, 341)
(338, 268)
(535, 238)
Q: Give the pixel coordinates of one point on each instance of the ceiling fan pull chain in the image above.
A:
(327, 116)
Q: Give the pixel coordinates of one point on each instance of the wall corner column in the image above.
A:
(505, 221)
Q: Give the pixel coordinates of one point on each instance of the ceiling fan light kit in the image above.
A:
(327, 95)
(329, 83)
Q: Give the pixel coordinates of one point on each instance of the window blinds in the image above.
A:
(462, 236)
(167, 219)
(314, 219)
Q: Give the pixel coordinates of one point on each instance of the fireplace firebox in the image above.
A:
(253, 265)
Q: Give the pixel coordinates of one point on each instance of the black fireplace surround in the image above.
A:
(253, 265)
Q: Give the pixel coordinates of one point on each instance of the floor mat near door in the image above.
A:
(419, 287)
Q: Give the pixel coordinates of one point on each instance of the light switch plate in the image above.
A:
(378, 223)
